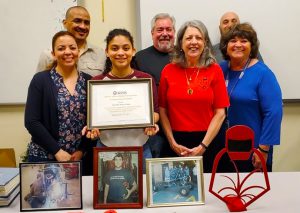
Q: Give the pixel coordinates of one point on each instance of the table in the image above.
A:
(283, 197)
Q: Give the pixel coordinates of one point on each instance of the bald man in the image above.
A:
(227, 21)
(91, 58)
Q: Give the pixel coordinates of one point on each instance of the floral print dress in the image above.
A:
(71, 111)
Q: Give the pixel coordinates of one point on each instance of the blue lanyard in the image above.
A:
(240, 77)
(227, 83)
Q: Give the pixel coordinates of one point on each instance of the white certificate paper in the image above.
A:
(121, 104)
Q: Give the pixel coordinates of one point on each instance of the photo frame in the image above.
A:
(118, 104)
(46, 186)
(175, 181)
(118, 177)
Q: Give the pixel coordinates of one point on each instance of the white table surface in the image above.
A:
(283, 197)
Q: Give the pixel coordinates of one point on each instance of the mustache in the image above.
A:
(77, 29)
(167, 38)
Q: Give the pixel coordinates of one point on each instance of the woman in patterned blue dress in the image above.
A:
(56, 105)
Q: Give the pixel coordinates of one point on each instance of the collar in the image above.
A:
(89, 47)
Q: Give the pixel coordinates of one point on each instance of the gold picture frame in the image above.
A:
(175, 181)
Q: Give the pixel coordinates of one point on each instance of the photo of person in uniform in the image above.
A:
(47, 186)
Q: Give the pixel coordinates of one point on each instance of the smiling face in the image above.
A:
(77, 22)
(120, 52)
(163, 35)
(65, 51)
(192, 45)
(228, 20)
(239, 49)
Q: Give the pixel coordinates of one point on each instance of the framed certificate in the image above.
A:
(118, 104)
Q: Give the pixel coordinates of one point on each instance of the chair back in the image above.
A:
(7, 157)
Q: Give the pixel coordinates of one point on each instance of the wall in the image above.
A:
(209, 11)
(117, 14)
(19, 18)
(13, 133)
(12, 130)
(286, 156)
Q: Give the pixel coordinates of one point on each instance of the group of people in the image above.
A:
(195, 98)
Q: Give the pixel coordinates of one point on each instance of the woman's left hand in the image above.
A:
(150, 131)
(196, 151)
(256, 162)
(77, 155)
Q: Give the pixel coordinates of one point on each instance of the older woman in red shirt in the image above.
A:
(192, 95)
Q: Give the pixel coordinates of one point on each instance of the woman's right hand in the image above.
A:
(180, 150)
(62, 155)
(92, 134)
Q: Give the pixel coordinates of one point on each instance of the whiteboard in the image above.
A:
(27, 29)
(276, 23)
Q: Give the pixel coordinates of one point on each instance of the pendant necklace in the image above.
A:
(188, 81)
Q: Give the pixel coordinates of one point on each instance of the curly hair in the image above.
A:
(245, 31)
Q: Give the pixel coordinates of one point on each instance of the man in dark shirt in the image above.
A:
(119, 183)
(153, 59)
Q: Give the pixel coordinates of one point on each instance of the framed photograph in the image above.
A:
(175, 181)
(118, 177)
(117, 104)
(48, 186)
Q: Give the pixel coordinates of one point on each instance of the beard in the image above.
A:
(165, 46)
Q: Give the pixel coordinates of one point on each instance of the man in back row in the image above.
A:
(91, 58)
(153, 59)
(227, 21)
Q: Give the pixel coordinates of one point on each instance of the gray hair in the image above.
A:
(207, 58)
(162, 16)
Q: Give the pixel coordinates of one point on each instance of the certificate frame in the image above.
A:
(106, 173)
(46, 186)
(120, 104)
(179, 177)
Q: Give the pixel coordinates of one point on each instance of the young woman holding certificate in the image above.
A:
(120, 51)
